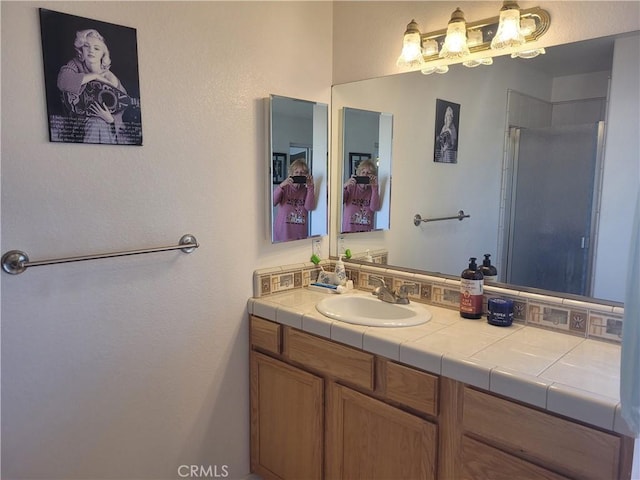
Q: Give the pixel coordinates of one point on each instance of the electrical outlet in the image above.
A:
(316, 247)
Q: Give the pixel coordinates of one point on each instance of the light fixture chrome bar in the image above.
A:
(489, 26)
(16, 261)
(417, 220)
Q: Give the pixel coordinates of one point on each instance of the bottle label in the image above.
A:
(470, 296)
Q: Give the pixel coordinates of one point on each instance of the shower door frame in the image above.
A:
(509, 179)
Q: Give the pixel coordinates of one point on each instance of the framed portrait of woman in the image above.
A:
(91, 80)
(447, 132)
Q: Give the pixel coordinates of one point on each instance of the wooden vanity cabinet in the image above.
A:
(487, 437)
(287, 411)
(480, 461)
(315, 411)
(287, 420)
(320, 409)
(368, 439)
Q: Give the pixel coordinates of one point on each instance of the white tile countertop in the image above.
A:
(569, 375)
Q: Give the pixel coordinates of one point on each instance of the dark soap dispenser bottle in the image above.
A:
(471, 287)
(489, 272)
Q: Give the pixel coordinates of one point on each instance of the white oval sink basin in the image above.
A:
(371, 311)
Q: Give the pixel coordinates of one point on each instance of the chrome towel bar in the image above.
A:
(417, 220)
(16, 261)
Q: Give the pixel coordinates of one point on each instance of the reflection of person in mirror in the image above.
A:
(361, 200)
(294, 201)
(92, 63)
(447, 138)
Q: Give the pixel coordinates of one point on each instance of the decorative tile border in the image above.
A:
(605, 326)
(379, 256)
(570, 316)
(275, 280)
(546, 315)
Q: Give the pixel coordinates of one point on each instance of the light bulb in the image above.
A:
(411, 55)
(455, 43)
(508, 34)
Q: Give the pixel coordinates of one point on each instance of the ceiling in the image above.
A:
(594, 55)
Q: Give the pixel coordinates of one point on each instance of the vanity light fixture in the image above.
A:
(435, 69)
(464, 42)
(474, 37)
(509, 33)
(527, 27)
(430, 48)
(529, 53)
(411, 55)
(455, 43)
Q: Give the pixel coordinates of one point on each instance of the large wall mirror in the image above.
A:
(366, 170)
(547, 167)
(298, 146)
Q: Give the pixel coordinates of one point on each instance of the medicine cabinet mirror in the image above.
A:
(297, 166)
(366, 170)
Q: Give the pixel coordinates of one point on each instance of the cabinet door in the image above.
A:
(286, 420)
(368, 439)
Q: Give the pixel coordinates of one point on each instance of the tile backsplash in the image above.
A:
(582, 318)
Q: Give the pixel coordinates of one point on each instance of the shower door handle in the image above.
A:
(584, 242)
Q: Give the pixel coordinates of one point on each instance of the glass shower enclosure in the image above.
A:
(552, 207)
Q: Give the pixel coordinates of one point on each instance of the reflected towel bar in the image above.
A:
(16, 261)
(417, 220)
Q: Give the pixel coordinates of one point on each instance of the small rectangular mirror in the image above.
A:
(366, 170)
(298, 163)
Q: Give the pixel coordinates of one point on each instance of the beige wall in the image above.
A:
(128, 368)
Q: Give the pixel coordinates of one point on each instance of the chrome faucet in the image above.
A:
(401, 296)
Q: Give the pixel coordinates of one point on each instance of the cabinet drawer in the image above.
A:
(564, 446)
(408, 386)
(329, 358)
(266, 335)
(482, 462)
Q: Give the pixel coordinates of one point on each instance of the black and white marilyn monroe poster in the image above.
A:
(91, 80)
(445, 149)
